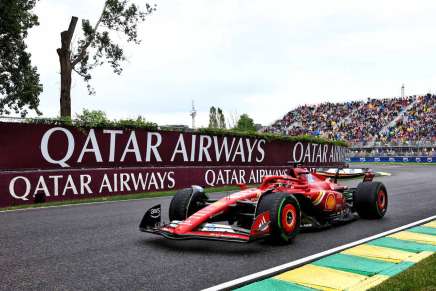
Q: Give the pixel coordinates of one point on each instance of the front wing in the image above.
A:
(151, 223)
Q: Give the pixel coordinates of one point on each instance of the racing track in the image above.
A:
(99, 247)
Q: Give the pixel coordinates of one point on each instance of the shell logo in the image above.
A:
(330, 202)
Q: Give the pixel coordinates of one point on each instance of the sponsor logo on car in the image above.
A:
(155, 212)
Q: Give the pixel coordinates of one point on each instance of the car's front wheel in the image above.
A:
(284, 211)
(186, 202)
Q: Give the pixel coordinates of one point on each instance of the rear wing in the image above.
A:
(345, 173)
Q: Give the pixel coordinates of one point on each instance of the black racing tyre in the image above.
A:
(185, 203)
(285, 217)
(371, 200)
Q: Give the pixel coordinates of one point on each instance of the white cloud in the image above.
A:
(255, 57)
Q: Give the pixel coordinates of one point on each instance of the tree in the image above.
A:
(221, 119)
(92, 118)
(19, 80)
(245, 123)
(213, 121)
(233, 119)
(97, 47)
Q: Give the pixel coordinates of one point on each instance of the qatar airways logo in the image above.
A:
(147, 147)
(317, 153)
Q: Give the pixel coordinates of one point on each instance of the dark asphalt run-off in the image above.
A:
(98, 246)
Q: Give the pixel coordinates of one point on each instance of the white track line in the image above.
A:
(278, 269)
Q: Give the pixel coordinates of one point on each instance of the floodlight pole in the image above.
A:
(402, 91)
(193, 114)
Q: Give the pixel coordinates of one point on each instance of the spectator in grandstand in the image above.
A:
(406, 120)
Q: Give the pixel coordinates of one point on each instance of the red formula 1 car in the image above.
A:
(277, 209)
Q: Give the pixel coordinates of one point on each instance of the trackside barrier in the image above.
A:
(391, 159)
(43, 163)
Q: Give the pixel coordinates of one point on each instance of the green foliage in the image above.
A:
(19, 80)
(92, 118)
(216, 118)
(221, 119)
(139, 122)
(245, 123)
(95, 119)
(61, 121)
(99, 47)
(98, 119)
(213, 121)
(271, 136)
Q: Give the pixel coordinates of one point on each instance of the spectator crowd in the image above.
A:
(389, 121)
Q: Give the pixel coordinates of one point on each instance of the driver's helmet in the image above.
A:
(300, 173)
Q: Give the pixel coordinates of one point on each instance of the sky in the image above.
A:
(262, 58)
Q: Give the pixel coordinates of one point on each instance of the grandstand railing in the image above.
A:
(397, 159)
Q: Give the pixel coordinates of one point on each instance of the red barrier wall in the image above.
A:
(68, 163)
(22, 187)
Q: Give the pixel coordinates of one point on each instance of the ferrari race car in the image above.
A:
(278, 209)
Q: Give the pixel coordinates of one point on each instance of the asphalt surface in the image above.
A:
(99, 247)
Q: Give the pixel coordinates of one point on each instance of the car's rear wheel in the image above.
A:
(284, 211)
(371, 200)
(186, 202)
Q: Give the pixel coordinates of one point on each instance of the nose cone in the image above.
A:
(184, 227)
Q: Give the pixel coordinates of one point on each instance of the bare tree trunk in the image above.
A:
(64, 54)
(65, 98)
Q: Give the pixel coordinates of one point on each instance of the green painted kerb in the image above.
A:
(353, 264)
(275, 285)
(393, 243)
(423, 230)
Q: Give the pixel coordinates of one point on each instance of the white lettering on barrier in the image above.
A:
(112, 142)
(132, 147)
(171, 180)
(55, 184)
(14, 194)
(68, 154)
(261, 150)
(204, 149)
(180, 149)
(234, 176)
(294, 152)
(94, 147)
(82, 184)
(208, 149)
(239, 151)
(105, 184)
(209, 177)
(69, 185)
(41, 186)
(153, 147)
(324, 156)
(224, 146)
(85, 180)
(316, 153)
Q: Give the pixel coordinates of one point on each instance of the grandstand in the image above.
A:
(389, 126)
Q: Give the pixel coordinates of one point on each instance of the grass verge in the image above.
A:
(116, 198)
(421, 276)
